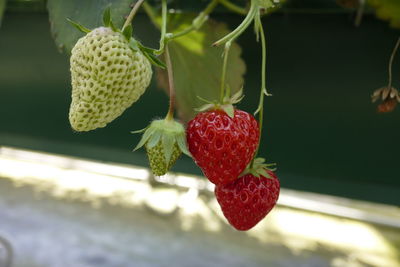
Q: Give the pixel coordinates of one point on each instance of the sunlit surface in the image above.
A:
(304, 229)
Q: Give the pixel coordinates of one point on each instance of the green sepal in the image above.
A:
(229, 110)
(147, 134)
(168, 142)
(148, 49)
(259, 168)
(107, 16)
(169, 132)
(206, 101)
(181, 141)
(133, 44)
(139, 131)
(154, 60)
(205, 107)
(127, 32)
(112, 26)
(264, 173)
(237, 97)
(107, 20)
(78, 26)
(226, 106)
(154, 139)
(150, 54)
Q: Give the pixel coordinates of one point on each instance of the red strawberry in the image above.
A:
(247, 200)
(222, 146)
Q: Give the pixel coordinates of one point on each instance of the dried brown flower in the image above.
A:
(389, 99)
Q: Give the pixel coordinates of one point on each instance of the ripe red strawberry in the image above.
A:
(247, 200)
(222, 146)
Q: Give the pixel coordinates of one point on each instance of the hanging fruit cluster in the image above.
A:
(110, 70)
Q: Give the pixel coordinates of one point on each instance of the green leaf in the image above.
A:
(78, 26)
(128, 32)
(88, 13)
(2, 8)
(198, 66)
(388, 10)
(107, 16)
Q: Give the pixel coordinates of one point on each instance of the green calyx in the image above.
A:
(127, 32)
(227, 104)
(258, 167)
(164, 141)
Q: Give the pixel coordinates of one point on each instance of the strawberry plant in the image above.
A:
(111, 69)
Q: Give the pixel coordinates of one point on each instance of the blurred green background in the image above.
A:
(321, 128)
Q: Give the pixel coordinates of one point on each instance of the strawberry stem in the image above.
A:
(198, 21)
(233, 7)
(242, 27)
(170, 114)
(263, 90)
(164, 15)
(132, 14)
(164, 47)
(224, 67)
(396, 47)
(196, 24)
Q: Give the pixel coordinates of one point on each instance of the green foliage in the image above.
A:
(388, 10)
(78, 26)
(2, 8)
(88, 13)
(198, 66)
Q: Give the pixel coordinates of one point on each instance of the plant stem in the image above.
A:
(360, 13)
(263, 90)
(391, 62)
(233, 7)
(132, 14)
(198, 21)
(170, 114)
(242, 27)
(196, 24)
(164, 14)
(164, 48)
(224, 67)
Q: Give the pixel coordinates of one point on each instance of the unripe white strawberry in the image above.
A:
(107, 75)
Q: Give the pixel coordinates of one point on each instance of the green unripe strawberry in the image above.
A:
(107, 75)
(164, 141)
(157, 160)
